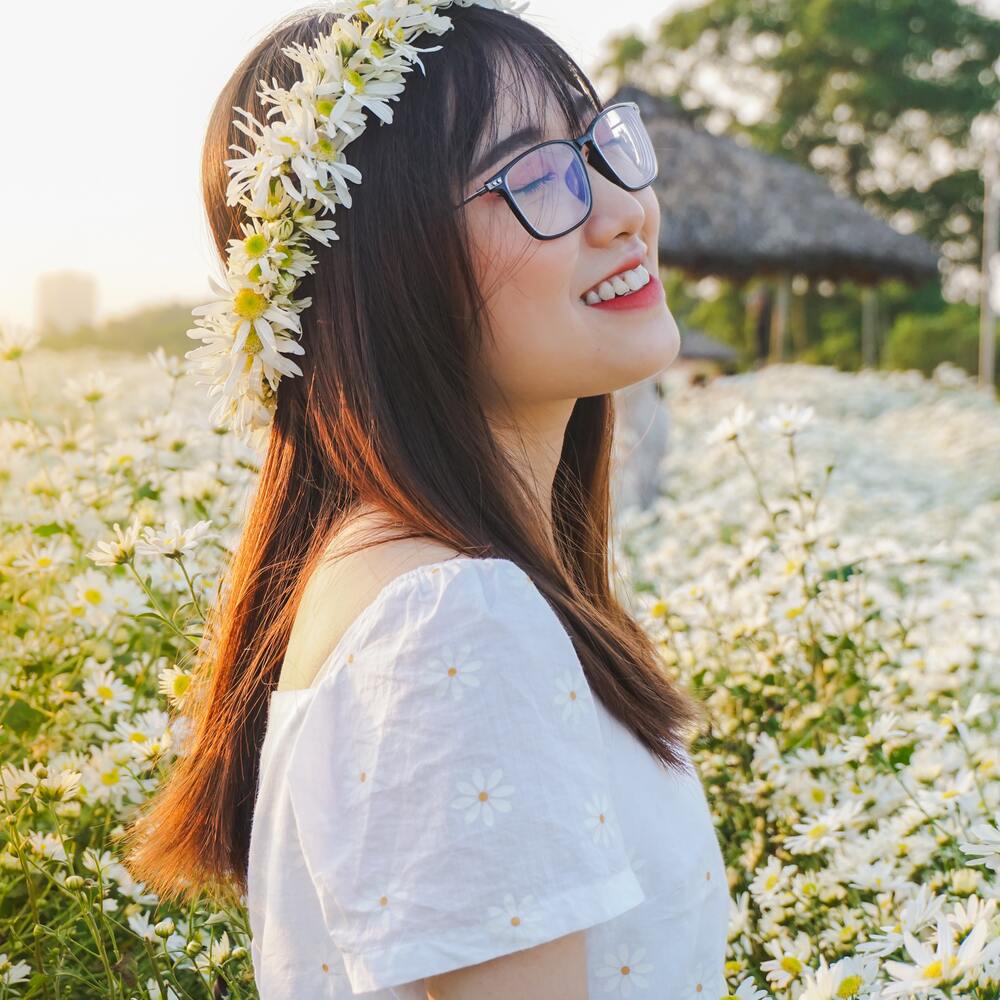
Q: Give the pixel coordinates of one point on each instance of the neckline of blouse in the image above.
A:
(291, 696)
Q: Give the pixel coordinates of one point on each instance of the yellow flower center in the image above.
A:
(181, 683)
(249, 304)
(92, 596)
(791, 964)
(110, 777)
(323, 107)
(105, 692)
(255, 244)
(849, 986)
(355, 79)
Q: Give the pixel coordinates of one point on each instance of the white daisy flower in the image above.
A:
(16, 341)
(173, 541)
(119, 551)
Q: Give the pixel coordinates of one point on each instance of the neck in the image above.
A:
(532, 439)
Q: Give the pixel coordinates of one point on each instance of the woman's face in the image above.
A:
(544, 342)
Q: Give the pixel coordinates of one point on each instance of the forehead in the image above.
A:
(526, 100)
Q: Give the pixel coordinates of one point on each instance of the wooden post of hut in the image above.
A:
(869, 325)
(779, 320)
(991, 216)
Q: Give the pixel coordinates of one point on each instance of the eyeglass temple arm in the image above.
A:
(493, 182)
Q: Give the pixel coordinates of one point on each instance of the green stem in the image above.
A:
(756, 482)
(194, 596)
(15, 838)
(159, 610)
(156, 967)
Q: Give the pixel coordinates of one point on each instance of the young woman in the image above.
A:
(431, 749)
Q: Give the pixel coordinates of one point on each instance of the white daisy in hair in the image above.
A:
(293, 170)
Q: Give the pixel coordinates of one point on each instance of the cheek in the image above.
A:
(528, 285)
(651, 223)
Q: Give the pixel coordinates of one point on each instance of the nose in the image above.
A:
(615, 211)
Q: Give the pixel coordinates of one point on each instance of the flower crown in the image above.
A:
(295, 172)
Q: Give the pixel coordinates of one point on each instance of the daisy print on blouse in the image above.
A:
(455, 670)
(480, 797)
(514, 919)
(599, 820)
(704, 981)
(382, 906)
(624, 971)
(570, 699)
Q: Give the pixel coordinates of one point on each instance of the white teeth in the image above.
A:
(619, 284)
(633, 280)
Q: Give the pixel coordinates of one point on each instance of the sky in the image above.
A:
(106, 106)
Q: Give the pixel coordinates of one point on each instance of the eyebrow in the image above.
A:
(522, 137)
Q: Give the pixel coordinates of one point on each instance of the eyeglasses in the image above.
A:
(547, 186)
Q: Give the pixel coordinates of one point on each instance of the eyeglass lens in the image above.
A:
(550, 185)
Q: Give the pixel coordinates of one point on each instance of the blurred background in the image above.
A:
(828, 170)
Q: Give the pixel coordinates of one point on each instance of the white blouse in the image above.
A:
(449, 790)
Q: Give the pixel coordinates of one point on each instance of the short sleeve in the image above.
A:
(449, 781)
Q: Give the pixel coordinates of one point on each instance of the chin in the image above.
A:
(651, 346)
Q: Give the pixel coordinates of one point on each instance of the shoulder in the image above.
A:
(342, 586)
(363, 573)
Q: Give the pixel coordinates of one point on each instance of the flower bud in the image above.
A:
(164, 928)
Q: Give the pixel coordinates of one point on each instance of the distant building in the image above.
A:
(65, 300)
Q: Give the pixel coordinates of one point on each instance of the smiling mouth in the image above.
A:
(618, 285)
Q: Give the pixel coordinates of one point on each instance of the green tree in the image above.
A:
(877, 96)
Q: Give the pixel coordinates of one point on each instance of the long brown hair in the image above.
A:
(385, 416)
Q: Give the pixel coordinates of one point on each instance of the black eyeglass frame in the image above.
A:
(498, 181)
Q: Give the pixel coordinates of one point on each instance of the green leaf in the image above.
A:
(45, 530)
(21, 717)
(147, 616)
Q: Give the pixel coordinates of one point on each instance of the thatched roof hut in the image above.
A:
(733, 211)
(700, 346)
